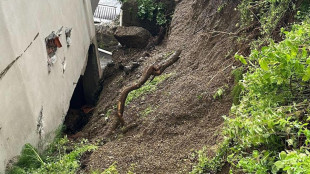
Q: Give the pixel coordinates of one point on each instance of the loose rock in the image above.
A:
(132, 37)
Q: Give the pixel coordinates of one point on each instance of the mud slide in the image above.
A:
(177, 114)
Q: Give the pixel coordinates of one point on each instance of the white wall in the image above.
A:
(27, 87)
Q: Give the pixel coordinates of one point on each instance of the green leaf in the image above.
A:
(304, 52)
(255, 154)
(241, 59)
(308, 61)
(306, 76)
(290, 142)
(279, 165)
(282, 155)
(263, 64)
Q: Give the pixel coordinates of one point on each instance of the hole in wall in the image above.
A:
(77, 116)
(84, 95)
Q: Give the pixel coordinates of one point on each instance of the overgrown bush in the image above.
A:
(268, 13)
(269, 131)
(152, 11)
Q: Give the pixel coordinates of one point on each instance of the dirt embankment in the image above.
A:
(183, 115)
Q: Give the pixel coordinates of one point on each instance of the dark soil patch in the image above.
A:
(184, 116)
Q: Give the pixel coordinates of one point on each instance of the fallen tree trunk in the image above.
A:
(153, 70)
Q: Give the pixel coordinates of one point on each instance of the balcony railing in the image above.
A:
(105, 12)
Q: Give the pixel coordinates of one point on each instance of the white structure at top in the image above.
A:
(107, 10)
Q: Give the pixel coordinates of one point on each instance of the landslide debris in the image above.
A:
(178, 114)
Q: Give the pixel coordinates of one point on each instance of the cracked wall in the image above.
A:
(35, 97)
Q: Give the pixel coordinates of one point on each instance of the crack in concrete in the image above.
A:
(2, 74)
(40, 123)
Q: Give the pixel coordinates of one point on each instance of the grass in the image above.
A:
(113, 170)
(146, 88)
(55, 159)
(147, 111)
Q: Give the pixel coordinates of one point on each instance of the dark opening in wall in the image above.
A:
(78, 98)
(91, 75)
(84, 96)
(76, 119)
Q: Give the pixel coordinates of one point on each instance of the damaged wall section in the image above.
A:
(35, 101)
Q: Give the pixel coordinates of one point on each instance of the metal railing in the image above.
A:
(105, 12)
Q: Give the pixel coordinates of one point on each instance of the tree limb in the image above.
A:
(153, 70)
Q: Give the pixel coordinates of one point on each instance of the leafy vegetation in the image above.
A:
(268, 132)
(218, 94)
(113, 170)
(268, 13)
(54, 160)
(236, 91)
(150, 86)
(152, 10)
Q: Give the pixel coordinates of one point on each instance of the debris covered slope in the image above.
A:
(181, 115)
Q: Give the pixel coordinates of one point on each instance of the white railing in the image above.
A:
(105, 12)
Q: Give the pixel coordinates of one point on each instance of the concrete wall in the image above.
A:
(33, 102)
(94, 4)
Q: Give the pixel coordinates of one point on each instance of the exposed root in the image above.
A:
(153, 70)
(129, 127)
(111, 127)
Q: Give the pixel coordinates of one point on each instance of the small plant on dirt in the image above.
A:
(150, 86)
(203, 161)
(219, 93)
(147, 111)
(113, 170)
(221, 7)
(199, 97)
(209, 165)
(108, 114)
(53, 160)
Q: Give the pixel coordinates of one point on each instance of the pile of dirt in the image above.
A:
(183, 115)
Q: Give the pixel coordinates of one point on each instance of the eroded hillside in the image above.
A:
(181, 115)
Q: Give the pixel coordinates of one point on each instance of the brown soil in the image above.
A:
(186, 117)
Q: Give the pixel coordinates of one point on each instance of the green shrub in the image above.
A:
(268, 131)
(268, 13)
(152, 11)
(266, 122)
(29, 158)
(54, 160)
(237, 89)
